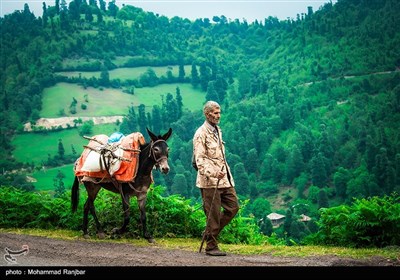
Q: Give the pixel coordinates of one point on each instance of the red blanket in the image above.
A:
(128, 169)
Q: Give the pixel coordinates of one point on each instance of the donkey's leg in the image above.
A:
(143, 219)
(85, 219)
(126, 210)
(92, 190)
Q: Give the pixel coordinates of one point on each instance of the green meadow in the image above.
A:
(45, 177)
(110, 102)
(36, 147)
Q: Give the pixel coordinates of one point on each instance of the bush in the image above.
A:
(167, 216)
(373, 222)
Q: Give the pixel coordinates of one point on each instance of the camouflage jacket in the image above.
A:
(210, 158)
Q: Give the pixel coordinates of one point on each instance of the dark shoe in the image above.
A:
(215, 252)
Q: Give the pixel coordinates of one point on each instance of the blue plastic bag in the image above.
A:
(115, 137)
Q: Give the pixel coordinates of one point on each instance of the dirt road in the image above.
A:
(43, 251)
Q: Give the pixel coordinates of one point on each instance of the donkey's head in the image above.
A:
(159, 150)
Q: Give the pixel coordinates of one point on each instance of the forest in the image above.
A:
(310, 106)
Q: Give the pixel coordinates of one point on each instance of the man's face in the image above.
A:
(214, 116)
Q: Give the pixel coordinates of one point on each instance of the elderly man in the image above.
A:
(214, 177)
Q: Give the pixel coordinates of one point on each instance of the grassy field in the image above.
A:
(45, 177)
(35, 147)
(110, 102)
(29, 148)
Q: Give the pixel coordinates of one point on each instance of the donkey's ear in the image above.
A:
(167, 135)
(151, 134)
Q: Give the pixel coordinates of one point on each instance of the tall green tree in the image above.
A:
(340, 180)
(179, 103)
(142, 120)
(61, 150)
(195, 80)
(130, 122)
(241, 179)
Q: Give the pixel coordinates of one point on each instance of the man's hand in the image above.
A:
(220, 175)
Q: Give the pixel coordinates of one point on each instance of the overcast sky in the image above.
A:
(232, 9)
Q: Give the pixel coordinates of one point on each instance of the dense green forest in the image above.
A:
(310, 106)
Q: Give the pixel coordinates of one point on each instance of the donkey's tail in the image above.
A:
(75, 195)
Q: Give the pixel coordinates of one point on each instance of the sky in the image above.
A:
(249, 10)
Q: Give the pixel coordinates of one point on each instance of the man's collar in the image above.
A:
(210, 127)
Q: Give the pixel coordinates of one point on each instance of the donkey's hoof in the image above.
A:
(101, 235)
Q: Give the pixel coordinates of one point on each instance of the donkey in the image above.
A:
(152, 154)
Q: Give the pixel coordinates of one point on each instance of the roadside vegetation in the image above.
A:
(368, 226)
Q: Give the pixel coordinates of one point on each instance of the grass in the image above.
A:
(45, 177)
(35, 147)
(112, 102)
(108, 102)
(193, 244)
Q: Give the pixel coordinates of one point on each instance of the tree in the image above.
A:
(180, 185)
(181, 76)
(260, 207)
(64, 21)
(266, 226)
(89, 15)
(252, 161)
(244, 79)
(323, 201)
(195, 76)
(72, 106)
(340, 180)
(104, 77)
(45, 17)
(205, 75)
(241, 178)
(112, 8)
(294, 164)
(102, 5)
(156, 119)
(142, 120)
(73, 11)
(86, 128)
(384, 171)
(61, 150)
(130, 122)
(211, 92)
(362, 184)
(179, 103)
(318, 171)
(288, 221)
(73, 149)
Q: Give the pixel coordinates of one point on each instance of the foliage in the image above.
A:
(170, 216)
(24, 209)
(367, 222)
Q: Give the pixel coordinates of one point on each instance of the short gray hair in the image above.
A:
(209, 106)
